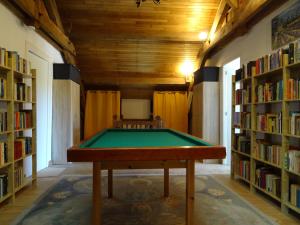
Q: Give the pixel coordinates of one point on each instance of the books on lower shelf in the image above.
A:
(22, 92)
(22, 147)
(294, 123)
(269, 122)
(242, 120)
(3, 121)
(292, 160)
(244, 169)
(3, 185)
(3, 86)
(267, 180)
(293, 89)
(244, 144)
(267, 152)
(295, 195)
(19, 176)
(268, 91)
(3, 153)
(23, 119)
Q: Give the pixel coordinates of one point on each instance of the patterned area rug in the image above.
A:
(138, 201)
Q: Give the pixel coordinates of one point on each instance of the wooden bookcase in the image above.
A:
(11, 105)
(283, 139)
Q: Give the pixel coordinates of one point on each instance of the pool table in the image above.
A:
(143, 149)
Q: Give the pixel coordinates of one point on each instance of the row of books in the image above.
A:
(23, 119)
(281, 57)
(294, 122)
(269, 122)
(295, 195)
(3, 86)
(242, 120)
(267, 152)
(23, 147)
(22, 92)
(3, 121)
(267, 92)
(243, 96)
(13, 59)
(19, 175)
(3, 153)
(244, 144)
(292, 160)
(244, 169)
(267, 180)
(3, 185)
(293, 89)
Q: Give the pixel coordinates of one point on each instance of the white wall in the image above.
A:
(136, 108)
(15, 36)
(256, 43)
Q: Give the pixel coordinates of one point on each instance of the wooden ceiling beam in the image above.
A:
(53, 13)
(36, 11)
(218, 17)
(233, 3)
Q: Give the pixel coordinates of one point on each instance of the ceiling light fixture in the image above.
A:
(139, 2)
(203, 36)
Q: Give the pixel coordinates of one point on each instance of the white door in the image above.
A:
(228, 70)
(44, 108)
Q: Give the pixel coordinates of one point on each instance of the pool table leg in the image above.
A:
(166, 182)
(110, 183)
(190, 191)
(96, 215)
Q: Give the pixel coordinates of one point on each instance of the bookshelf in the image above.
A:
(271, 165)
(17, 125)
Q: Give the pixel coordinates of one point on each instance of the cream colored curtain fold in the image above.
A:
(172, 107)
(101, 106)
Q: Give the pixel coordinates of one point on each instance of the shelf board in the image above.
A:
(5, 165)
(22, 75)
(241, 178)
(292, 172)
(271, 72)
(266, 132)
(23, 157)
(244, 104)
(241, 153)
(266, 192)
(294, 65)
(5, 197)
(269, 102)
(20, 101)
(292, 100)
(295, 208)
(291, 135)
(5, 100)
(26, 182)
(4, 68)
(24, 129)
(5, 132)
(267, 162)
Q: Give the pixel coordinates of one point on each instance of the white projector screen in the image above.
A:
(135, 108)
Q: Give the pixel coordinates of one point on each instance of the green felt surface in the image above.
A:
(121, 138)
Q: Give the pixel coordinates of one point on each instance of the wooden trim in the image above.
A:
(142, 164)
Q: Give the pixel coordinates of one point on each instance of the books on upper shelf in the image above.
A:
(269, 122)
(293, 89)
(292, 160)
(3, 185)
(268, 91)
(243, 96)
(3, 121)
(3, 89)
(22, 92)
(294, 123)
(244, 144)
(267, 180)
(267, 152)
(23, 119)
(22, 147)
(295, 195)
(19, 176)
(18, 63)
(3, 153)
(3, 57)
(246, 120)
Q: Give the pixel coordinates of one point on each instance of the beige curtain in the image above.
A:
(101, 106)
(172, 107)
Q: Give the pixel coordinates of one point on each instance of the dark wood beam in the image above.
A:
(53, 13)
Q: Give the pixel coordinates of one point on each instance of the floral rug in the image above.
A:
(138, 201)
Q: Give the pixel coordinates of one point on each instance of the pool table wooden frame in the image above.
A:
(144, 158)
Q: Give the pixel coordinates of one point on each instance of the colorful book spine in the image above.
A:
(267, 152)
(267, 180)
(23, 120)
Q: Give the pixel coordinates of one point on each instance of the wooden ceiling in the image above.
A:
(118, 43)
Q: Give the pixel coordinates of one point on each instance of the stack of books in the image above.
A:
(267, 180)
(3, 121)
(267, 152)
(19, 176)
(3, 185)
(243, 96)
(23, 119)
(3, 88)
(23, 147)
(269, 92)
(3, 153)
(295, 195)
(269, 123)
(292, 160)
(293, 89)
(244, 169)
(246, 120)
(294, 120)
(244, 144)
(3, 57)
(22, 92)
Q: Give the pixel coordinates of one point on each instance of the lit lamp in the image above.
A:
(187, 70)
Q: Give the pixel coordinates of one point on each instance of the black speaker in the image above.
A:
(62, 71)
(206, 74)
